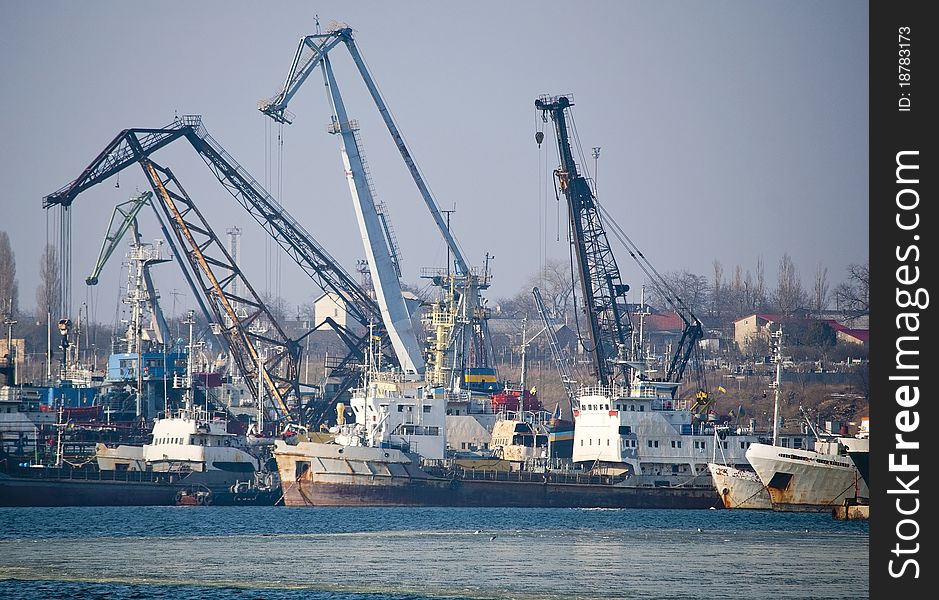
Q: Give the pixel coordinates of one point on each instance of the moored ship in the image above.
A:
(323, 474)
(190, 456)
(739, 488)
(813, 480)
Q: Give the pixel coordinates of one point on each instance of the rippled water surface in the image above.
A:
(407, 553)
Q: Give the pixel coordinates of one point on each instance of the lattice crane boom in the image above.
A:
(248, 330)
(603, 292)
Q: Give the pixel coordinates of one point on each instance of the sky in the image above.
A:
(730, 130)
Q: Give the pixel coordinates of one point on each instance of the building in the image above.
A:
(11, 365)
(330, 306)
(850, 335)
(753, 327)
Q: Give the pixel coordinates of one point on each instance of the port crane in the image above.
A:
(604, 293)
(124, 219)
(263, 352)
(134, 144)
(463, 329)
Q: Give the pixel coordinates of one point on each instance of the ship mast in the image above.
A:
(776, 384)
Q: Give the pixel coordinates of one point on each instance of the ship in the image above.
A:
(394, 455)
(329, 474)
(814, 480)
(645, 432)
(191, 458)
(739, 488)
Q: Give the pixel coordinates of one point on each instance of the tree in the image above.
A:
(9, 287)
(789, 296)
(556, 286)
(820, 290)
(759, 291)
(821, 335)
(853, 296)
(691, 289)
(718, 291)
(48, 293)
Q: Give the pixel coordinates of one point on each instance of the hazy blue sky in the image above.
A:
(729, 130)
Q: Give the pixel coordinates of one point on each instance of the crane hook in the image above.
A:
(539, 137)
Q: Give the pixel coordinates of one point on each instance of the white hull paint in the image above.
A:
(806, 480)
(739, 488)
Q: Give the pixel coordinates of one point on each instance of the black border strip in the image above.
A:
(901, 273)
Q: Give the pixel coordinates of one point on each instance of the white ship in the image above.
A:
(813, 480)
(394, 412)
(188, 441)
(739, 488)
(645, 432)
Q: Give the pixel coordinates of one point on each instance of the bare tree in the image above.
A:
(718, 290)
(9, 287)
(820, 290)
(556, 286)
(853, 296)
(690, 289)
(789, 296)
(521, 304)
(759, 291)
(48, 292)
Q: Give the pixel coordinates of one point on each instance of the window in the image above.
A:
(742, 446)
(642, 408)
(650, 443)
(427, 408)
(625, 429)
(656, 443)
(581, 442)
(463, 446)
(679, 443)
(302, 466)
(400, 408)
(724, 445)
(607, 441)
(673, 443)
(591, 441)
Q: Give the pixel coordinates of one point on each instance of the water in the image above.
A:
(277, 553)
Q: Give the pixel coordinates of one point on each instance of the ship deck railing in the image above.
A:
(558, 477)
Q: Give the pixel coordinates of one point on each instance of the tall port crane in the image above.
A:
(604, 293)
(465, 284)
(132, 145)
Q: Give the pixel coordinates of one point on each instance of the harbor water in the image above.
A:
(415, 553)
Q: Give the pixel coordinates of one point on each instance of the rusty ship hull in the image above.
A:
(315, 474)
